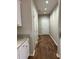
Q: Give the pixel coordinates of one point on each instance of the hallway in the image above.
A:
(45, 49)
(38, 29)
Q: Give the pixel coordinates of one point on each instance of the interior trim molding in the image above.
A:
(57, 55)
(53, 39)
(56, 45)
(32, 54)
(34, 49)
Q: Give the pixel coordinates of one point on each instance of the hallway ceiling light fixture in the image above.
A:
(45, 9)
(46, 1)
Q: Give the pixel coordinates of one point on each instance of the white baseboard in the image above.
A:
(34, 49)
(57, 55)
(32, 54)
(53, 40)
(56, 45)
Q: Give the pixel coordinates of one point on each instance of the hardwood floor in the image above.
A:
(46, 48)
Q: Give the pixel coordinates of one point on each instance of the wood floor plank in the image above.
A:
(46, 48)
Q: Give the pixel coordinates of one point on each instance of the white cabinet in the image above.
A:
(19, 13)
(23, 51)
(18, 57)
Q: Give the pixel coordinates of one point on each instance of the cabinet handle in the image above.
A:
(26, 45)
(23, 45)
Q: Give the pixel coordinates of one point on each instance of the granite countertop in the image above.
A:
(21, 39)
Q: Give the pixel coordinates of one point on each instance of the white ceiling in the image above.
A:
(41, 5)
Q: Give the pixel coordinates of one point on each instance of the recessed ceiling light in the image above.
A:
(46, 2)
(45, 8)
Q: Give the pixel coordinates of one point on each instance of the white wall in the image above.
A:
(34, 26)
(43, 24)
(54, 26)
(26, 17)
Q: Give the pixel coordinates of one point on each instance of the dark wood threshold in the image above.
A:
(31, 57)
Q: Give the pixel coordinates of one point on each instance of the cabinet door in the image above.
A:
(24, 51)
(18, 56)
(27, 48)
(19, 13)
